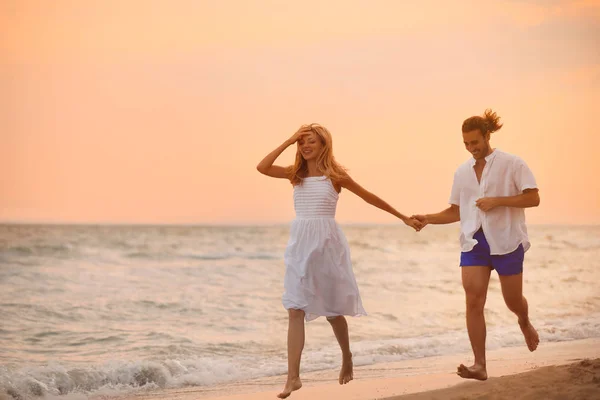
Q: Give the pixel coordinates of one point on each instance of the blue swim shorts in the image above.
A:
(505, 264)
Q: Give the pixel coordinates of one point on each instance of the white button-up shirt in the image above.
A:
(504, 227)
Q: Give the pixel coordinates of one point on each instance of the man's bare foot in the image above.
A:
(291, 385)
(346, 373)
(473, 372)
(531, 336)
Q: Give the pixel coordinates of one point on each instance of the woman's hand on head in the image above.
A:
(304, 130)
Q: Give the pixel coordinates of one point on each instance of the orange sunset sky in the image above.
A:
(126, 111)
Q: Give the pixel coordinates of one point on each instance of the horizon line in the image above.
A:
(231, 224)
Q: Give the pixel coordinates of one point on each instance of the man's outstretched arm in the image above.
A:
(448, 216)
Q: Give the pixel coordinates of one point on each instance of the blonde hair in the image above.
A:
(326, 163)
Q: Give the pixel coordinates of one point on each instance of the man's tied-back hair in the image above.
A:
(490, 122)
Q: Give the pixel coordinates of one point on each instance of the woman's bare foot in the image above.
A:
(291, 385)
(346, 373)
(473, 372)
(531, 336)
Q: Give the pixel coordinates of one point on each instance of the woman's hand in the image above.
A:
(304, 130)
(266, 166)
(414, 223)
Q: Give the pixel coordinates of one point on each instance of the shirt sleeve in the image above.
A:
(523, 176)
(455, 193)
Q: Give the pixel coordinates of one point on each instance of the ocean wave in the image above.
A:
(60, 250)
(202, 256)
(121, 377)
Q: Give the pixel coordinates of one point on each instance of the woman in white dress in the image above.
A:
(318, 277)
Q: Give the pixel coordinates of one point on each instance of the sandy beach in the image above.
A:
(579, 380)
(564, 370)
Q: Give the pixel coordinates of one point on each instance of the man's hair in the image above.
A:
(490, 122)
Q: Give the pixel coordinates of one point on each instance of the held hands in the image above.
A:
(421, 220)
(414, 223)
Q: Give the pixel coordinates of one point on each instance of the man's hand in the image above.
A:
(414, 223)
(422, 219)
(486, 203)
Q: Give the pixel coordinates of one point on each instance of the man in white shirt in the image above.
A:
(489, 195)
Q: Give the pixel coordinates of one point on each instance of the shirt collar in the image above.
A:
(488, 158)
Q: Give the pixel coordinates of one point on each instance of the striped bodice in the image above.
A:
(315, 197)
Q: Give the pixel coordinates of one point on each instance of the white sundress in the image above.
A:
(318, 272)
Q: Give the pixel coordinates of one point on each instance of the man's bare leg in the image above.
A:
(295, 344)
(340, 328)
(512, 290)
(475, 282)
